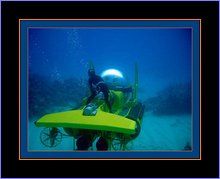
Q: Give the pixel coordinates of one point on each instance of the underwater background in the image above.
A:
(58, 61)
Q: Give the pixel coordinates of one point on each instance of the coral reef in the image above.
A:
(47, 96)
(175, 99)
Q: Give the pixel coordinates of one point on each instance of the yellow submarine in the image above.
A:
(118, 128)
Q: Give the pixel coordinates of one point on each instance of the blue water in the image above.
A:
(59, 59)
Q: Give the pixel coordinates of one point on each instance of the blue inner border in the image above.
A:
(194, 24)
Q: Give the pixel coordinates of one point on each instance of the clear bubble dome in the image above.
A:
(114, 78)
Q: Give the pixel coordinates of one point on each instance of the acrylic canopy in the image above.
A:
(114, 78)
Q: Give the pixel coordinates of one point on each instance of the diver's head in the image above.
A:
(91, 72)
(102, 144)
(82, 143)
